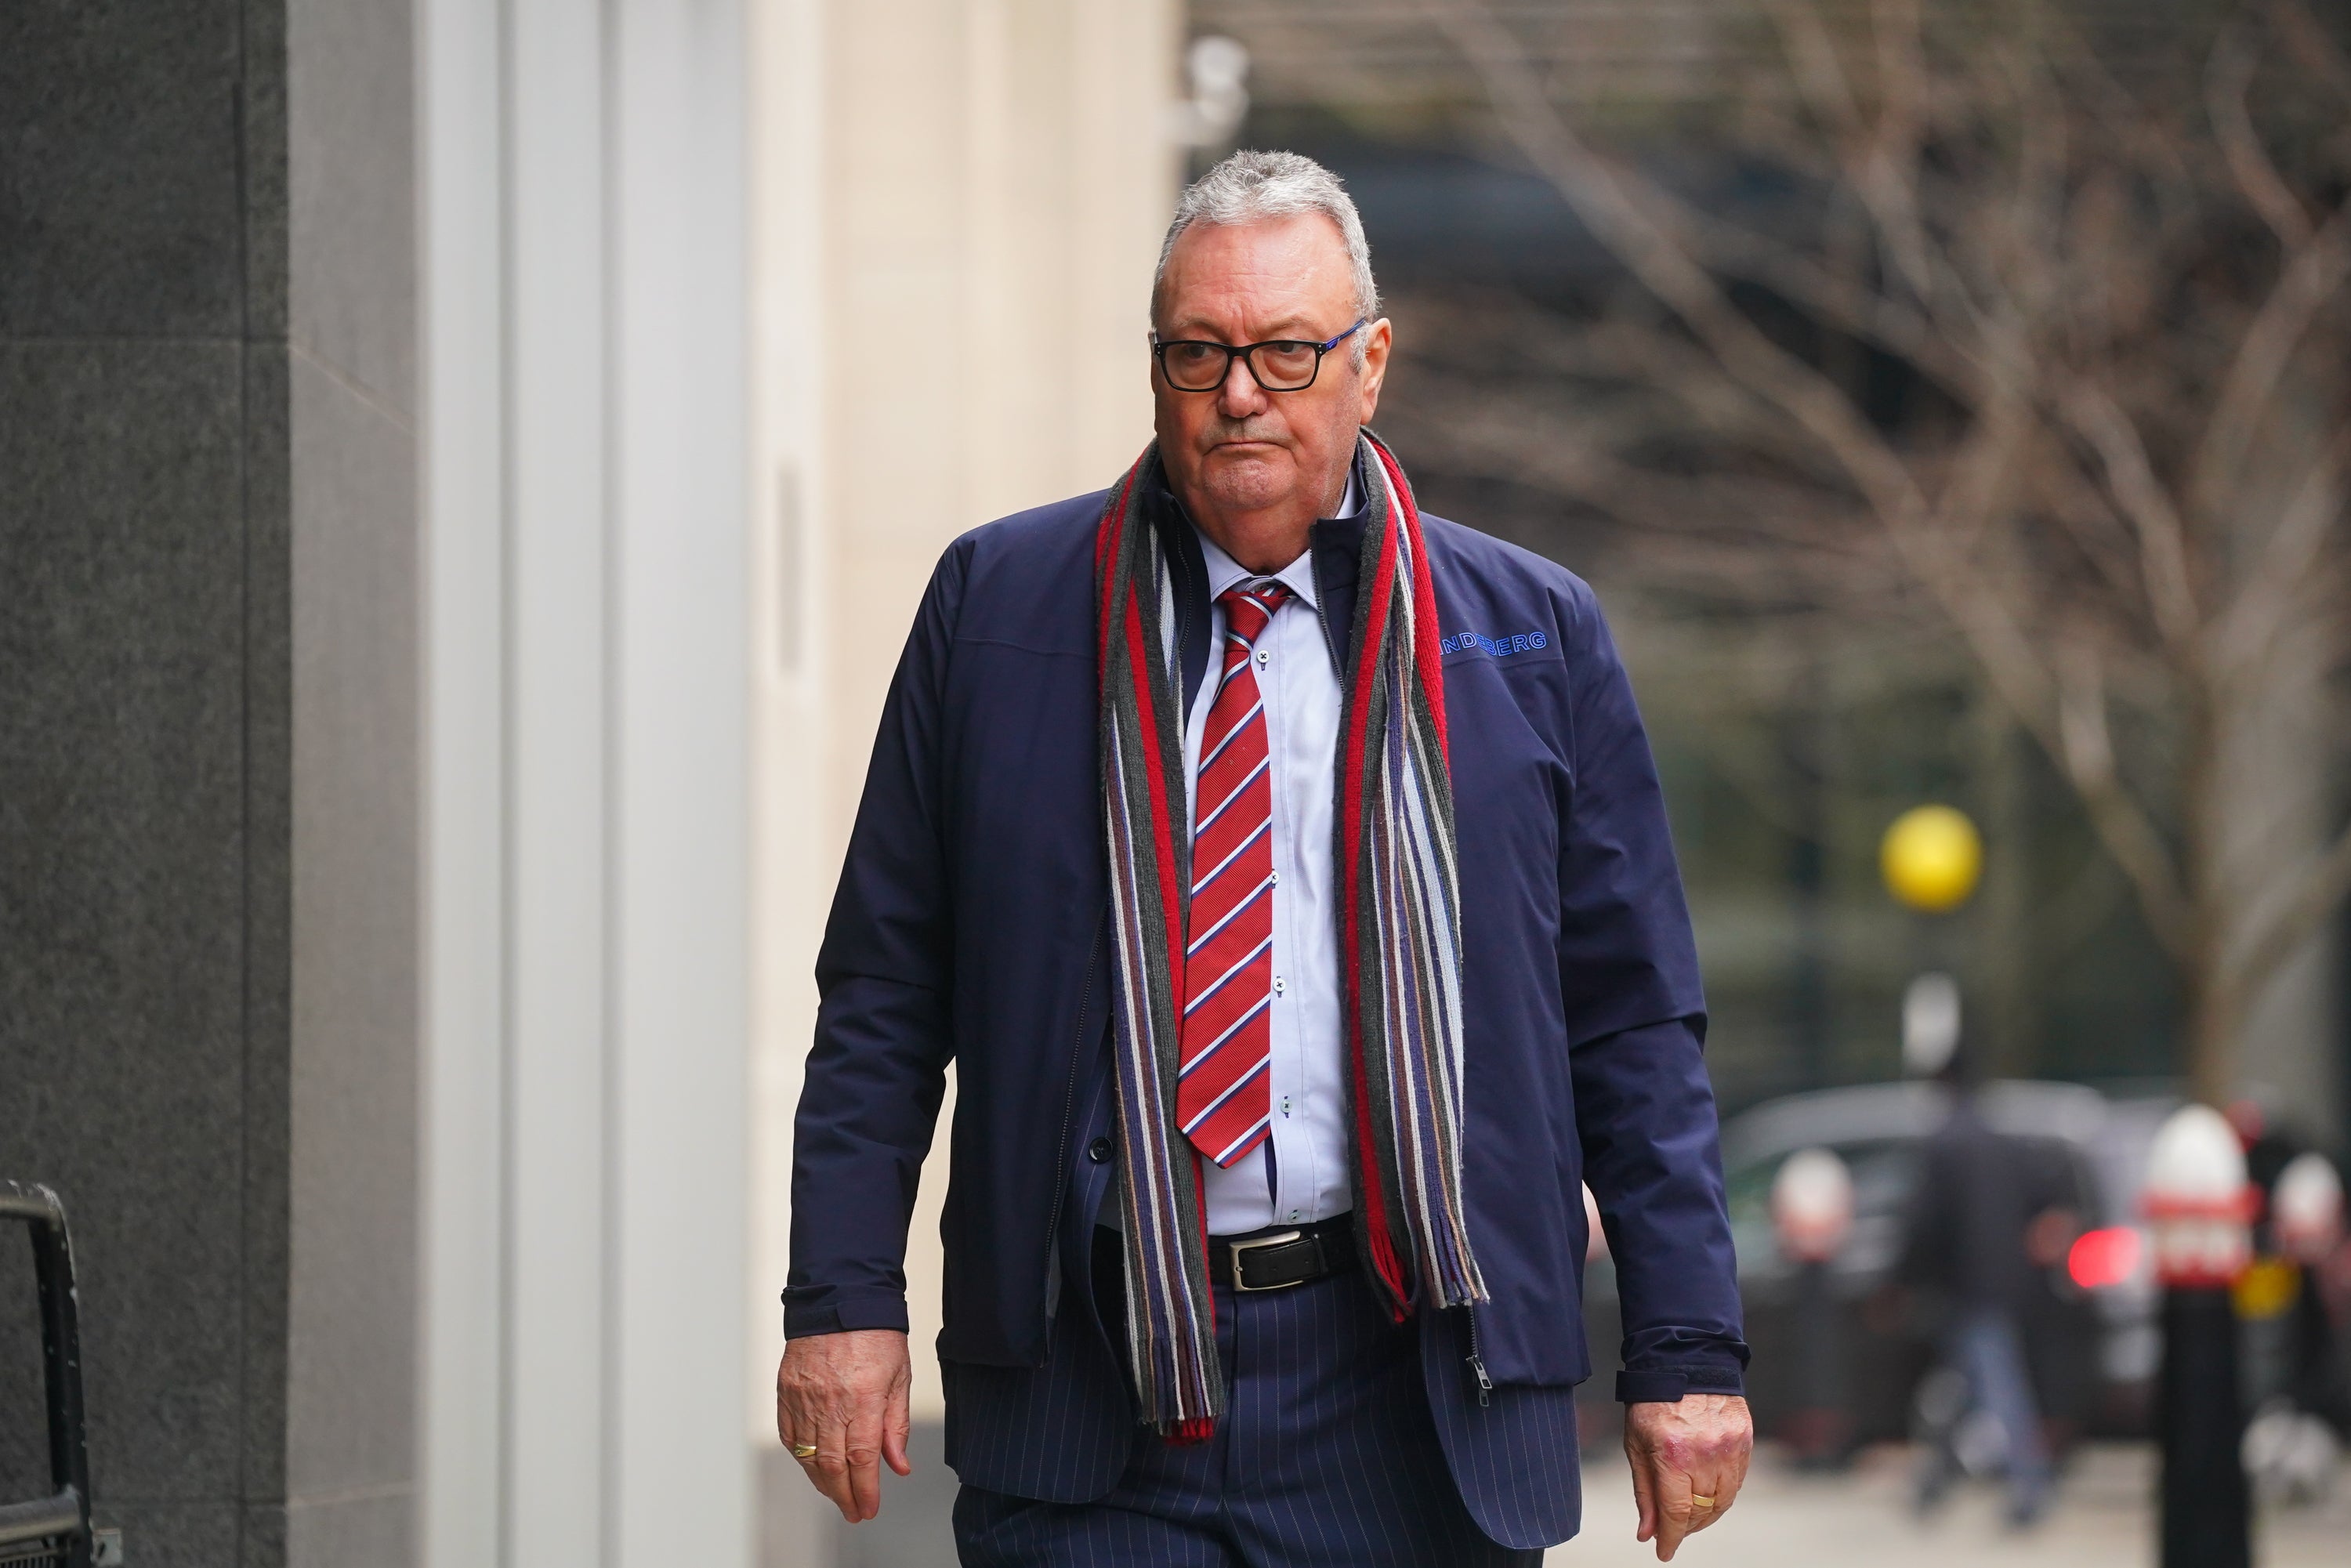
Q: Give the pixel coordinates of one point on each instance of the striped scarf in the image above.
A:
(1400, 933)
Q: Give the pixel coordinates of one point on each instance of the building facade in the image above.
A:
(465, 473)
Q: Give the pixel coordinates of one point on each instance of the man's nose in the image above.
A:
(1240, 396)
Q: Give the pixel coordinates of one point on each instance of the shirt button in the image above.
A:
(1280, 985)
(1099, 1151)
(1285, 1105)
(1263, 656)
(1273, 879)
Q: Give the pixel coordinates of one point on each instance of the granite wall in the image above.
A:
(208, 794)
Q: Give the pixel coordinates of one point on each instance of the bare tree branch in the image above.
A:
(2088, 517)
(2246, 634)
(2121, 115)
(1887, 166)
(2163, 541)
(1813, 62)
(2061, 268)
(1598, 194)
(2313, 275)
(2267, 192)
(2085, 750)
(2275, 933)
(2309, 43)
(1842, 304)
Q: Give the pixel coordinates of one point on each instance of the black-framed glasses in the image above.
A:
(1279, 364)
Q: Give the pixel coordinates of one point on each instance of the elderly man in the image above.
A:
(1285, 872)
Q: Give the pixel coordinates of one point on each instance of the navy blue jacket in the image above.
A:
(970, 924)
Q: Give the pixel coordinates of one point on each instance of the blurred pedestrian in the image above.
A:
(2302, 1412)
(2288, 1333)
(1811, 1213)
(1287, 875)
(1990, 1215)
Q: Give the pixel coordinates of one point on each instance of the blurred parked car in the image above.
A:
(2092, 1340)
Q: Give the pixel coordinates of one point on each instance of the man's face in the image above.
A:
(1241, 449)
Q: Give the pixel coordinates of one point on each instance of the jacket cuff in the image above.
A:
(833, 1309)
(1659, 1385)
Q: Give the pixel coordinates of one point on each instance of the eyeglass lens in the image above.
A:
(1278, 366)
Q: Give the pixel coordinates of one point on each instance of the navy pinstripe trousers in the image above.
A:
(1328, 1455)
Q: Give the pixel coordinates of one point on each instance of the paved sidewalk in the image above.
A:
(1785, 1519)
(2104, 1515)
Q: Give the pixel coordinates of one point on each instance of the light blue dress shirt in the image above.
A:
(1300, 1175)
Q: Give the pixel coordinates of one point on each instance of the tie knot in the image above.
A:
(1251, 601)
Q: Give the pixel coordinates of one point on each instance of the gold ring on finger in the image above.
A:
(804, 1451)
(1699, 1499)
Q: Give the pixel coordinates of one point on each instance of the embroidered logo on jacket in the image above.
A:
(1500, 647)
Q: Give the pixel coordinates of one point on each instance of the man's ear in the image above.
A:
(1378, 337)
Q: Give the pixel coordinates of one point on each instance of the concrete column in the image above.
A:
(586, 658)
(353, 550)
(208, 752)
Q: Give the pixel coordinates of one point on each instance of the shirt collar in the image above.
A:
(1298, 576)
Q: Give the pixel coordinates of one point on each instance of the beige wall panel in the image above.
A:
(977, 225)
(791, 753)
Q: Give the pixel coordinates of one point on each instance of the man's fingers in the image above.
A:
(895, 1427)
(1721, 1491)
(827, 1468)
(1721, 1485)
(862, 1440)
(799, 1424)
(1720, 1477)
(1644, 1497)
(830, 1469)
(1674, 1510)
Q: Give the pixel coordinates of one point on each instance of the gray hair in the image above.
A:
(1250, 187)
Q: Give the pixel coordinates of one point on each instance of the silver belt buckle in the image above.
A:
(1284, 1239)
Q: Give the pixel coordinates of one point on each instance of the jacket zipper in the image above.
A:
(1070, 1100)
(1477, 1364)
(1184, 643)
(1330, 632)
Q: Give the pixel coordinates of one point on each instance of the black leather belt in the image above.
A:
(1283, 1256)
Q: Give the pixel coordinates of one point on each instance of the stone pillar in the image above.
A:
(208, 754)
(583, 1352)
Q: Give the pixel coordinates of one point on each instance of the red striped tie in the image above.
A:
(1221, 1098)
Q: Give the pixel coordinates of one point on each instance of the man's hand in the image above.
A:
(845, 1393)
(1697, 1447)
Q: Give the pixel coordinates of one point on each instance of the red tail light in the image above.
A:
(2101, 1258)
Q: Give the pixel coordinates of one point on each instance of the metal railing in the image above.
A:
(54, 1529)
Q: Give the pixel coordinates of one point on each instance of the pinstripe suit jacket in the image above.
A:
(969, 924)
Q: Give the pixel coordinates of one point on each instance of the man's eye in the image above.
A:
(1287, 361)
